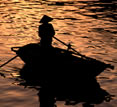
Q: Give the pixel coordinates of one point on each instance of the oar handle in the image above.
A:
(60, 41)
(70, 47)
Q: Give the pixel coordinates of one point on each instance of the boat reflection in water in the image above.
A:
(62, 76)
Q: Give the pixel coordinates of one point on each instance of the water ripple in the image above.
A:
(89, 25)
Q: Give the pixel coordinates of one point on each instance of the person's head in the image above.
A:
(45, 19)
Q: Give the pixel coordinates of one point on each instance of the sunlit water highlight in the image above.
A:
(89, 25)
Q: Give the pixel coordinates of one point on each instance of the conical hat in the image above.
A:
(46, 18)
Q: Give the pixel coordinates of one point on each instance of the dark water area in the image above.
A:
(89, 25)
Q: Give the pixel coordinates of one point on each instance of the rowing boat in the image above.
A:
(62, 74)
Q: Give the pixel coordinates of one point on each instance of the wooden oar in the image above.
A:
(8, 61)
(83, 56)
(68, 45)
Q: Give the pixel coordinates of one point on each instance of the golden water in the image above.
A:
(89, 25)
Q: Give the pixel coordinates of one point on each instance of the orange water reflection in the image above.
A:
(91, 33)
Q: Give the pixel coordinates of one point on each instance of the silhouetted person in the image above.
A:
(46, 31)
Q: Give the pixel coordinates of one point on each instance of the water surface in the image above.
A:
(89, 25)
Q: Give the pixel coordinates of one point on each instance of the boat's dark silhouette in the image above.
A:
(62, 75)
